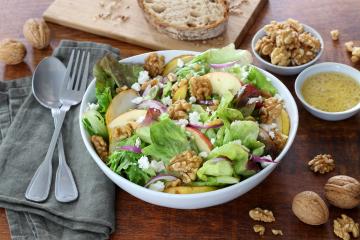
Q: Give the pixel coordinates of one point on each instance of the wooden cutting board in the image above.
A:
(91, 16)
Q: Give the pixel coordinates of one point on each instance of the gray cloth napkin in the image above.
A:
(26, 129)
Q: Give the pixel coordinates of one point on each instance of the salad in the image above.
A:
(196, 124)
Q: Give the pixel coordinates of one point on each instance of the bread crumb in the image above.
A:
(335, 34)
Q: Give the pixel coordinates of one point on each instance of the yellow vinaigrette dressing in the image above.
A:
(331, 91)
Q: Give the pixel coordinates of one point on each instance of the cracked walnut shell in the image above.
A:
(12, 51)
(310, 208)
(186, 165)
(344, 226)
(200, 87)
(37, 32)
(343, 191)
(154, 64)
(322, 163)
(263, 215)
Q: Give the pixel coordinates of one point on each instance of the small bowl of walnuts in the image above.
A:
(287, 48)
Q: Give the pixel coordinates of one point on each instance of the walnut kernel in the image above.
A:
(335, 34)
(37, 32)
(179, 110)
(101, 146)
(154, 64)
(124, 131)
(12, 51)
(200, 87)
(322, 163)
(349, 46)
(344, 226)
(263, 215)
(280, 56)
(259, 229)
(270, 109)
(277, 232)
(265, 46)
(186, 164)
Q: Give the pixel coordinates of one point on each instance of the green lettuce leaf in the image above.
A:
(167, 140)
(260, 81)
(233, 151)
(94, 123)
(215, 169)
(217, 181)
(225, 112)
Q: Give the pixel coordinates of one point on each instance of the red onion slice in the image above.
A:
(165, 177)
(152, 115)
(205, 126)
(130, 148)
(206, 102)
(260, 159)
(146, 91)
(223, 65)
(152, 104)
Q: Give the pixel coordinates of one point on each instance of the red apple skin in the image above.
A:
(201, 140)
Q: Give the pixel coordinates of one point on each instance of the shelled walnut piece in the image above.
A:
(101, 146)
(200, 87)
(37, 32)
(335, 34)
(263, 215)
(270, 109)
(344, 226)
(277, 232)
(355, 54)
(124, 131)
(154, 64)
(259, 229)
(322, 163)
(12, 51)
(179, 109)
(186, 165)
(287, 44)
(343, 191)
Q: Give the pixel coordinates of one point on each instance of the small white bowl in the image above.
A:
(327, 67)
(282, 70)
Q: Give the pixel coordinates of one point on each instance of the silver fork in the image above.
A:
(71, 94)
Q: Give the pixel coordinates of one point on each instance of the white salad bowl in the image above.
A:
(198, 200)
(284, 70)
(327, 67)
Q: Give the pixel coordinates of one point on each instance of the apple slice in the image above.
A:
(189, 189)
(172, 65)
(121, 103)
(221, 82)
(201, 141)
(283, 122)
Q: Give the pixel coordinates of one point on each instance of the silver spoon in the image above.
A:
(46, 85)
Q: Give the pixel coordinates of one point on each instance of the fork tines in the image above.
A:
(77, 73)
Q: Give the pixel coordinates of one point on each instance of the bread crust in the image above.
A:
(187, 33)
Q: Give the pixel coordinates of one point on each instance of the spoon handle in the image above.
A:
(65, 186)
(39, 186)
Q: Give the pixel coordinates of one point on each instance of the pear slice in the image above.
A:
(121, 103)
(221, 82)
(283, 122)
(172, 65)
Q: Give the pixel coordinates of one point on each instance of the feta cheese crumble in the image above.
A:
(203, 154)
(180, 63)
(92, 106)
(136, 86)
(137, 142)
(255, 100)
(194, 118)
(167, 100)
(192, 99)
(137, 100)
(158, 186)
(241, 90)
(143, 77)
(265, 164)
(182, 122)
(140, 119)
(144, 162)
(158, 166)
(212, 140)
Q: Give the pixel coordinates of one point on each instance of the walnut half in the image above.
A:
(200, 87)
(270, 110)
(263, 215)
(101, 146)
(344, 226)
(179, 110)
(259, 229)
(154, 64)
(322, 163)
(186, 164)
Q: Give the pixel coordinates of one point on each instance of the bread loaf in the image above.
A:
(187, 19)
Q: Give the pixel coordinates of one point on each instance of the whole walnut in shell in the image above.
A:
(12, 51)
(343, 191)
(310, 208)
(37, 32)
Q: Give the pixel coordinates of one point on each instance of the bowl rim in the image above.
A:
(261, 32)
(270, 168)
(301, 78)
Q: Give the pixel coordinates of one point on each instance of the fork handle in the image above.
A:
(39, 186)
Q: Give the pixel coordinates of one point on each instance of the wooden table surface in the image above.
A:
(139, 220)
